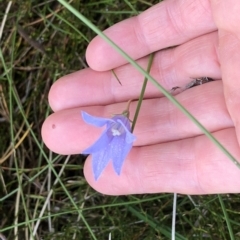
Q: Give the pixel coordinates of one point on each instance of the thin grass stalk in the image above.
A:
(20, 194)
(5, 18)
(49, 185)
(226, 217)
(174, 216)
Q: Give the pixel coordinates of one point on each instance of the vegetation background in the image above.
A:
(44, 195)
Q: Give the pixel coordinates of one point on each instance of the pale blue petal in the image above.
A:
(96, 121)
(109, 147)
(100, 161)
(100, 144)
(129, 136)
(119, 152)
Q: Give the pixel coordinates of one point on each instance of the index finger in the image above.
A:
(166, 24)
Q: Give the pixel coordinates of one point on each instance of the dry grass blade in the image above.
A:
(32, 42)
(47, 16)
(3, 105)
(8, 154)
(5, 18)
(2, 237)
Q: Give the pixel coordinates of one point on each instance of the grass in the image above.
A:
(44, 195)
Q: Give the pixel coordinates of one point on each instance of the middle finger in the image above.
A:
(171, 67)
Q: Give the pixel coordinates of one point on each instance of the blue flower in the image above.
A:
(114, 143)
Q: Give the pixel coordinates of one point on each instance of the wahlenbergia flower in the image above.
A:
(114, 143)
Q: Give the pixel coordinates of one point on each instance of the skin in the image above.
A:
(170, 153)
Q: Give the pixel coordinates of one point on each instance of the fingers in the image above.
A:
(171, 67)
(227, 18)
(166, 24)
(159, 121)
(188, 166)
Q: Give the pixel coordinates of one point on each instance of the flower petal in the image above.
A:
(114, 143)
(100, 161)
(100, 144)
(96, 121)
(119, 152)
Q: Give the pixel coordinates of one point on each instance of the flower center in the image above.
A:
(117, 129)
(115, 132)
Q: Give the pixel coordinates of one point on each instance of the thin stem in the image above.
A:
(226, 217)
(142, 92)
(174, 215)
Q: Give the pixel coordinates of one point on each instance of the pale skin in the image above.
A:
(170, 153)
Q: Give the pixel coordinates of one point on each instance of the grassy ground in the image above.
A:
(45, 196)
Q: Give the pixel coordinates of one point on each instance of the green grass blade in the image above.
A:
(226, 217)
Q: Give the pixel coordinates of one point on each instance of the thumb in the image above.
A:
(226, 16)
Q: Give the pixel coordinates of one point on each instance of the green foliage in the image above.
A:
(44, 195)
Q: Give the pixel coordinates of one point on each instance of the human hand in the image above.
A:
(170, 153)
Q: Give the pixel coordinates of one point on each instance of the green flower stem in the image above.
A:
(142, 92)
